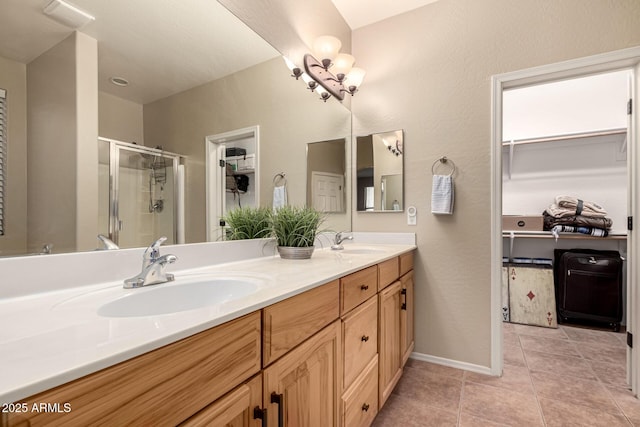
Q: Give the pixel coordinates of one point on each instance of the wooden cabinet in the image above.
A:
(289, 322)
(303, 387)
(389, 339)
(162, 387)
(331, 356)
(407, 313)
(241, 407)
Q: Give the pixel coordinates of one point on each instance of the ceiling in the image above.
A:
(161, 47)
(359, 13)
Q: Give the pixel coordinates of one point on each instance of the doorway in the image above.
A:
(614, 61)
(232, 176)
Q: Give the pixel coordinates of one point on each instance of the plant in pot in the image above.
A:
(248, 223)
(295, 229)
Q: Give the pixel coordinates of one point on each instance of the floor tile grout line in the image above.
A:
(533, 387)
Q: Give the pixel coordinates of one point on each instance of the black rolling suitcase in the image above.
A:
(588, 286)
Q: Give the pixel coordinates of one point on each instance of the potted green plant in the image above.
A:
(295, 229)
(248, 223)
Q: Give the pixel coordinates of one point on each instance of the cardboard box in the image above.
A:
(522, 222)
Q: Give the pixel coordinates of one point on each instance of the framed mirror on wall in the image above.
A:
(380, 172)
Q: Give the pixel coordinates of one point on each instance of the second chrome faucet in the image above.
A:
(153, 266)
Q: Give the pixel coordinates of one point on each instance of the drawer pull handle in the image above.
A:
(365, 338)
(260, 414)
(365, 407)
(277, 398)
(364, 287)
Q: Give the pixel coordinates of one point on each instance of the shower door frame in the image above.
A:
(114, 181)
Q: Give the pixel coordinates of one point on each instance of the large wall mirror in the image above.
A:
(380, 172)
(192, 70)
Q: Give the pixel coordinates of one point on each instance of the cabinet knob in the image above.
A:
(365, 338)
(364, 287)
(365, 407)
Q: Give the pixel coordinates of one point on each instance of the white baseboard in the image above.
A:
(452, 363)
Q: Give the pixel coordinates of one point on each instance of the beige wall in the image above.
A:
(13, 78)
(62, 151)
(120, 119)
(429, 73)
(289, 117)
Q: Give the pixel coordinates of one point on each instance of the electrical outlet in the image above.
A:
(412, 215)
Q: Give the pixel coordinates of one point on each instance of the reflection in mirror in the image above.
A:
(326, 169)
(380, 172)
(187, 80)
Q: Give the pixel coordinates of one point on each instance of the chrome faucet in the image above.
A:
(337, 242)
(152, 267)
(107, 244)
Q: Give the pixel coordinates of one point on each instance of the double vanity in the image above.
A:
(249, 339)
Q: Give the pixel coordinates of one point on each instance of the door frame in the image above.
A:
(215, 202)
(606, 62)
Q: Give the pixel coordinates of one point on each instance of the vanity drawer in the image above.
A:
(406, 263)
(357, 288)
(360, 339)
(289, 322)
(162, 387)
(360, 401)
(388, 272)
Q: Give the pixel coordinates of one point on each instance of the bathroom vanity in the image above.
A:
(327, 354)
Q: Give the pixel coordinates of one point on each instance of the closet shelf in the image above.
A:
(548, 235)
(565, 137)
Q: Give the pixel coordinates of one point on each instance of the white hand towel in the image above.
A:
(442, 195)
(279, 196)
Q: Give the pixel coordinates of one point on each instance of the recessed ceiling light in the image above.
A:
(119, 81)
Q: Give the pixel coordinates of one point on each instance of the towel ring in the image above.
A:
(443, 160)
(278, 177)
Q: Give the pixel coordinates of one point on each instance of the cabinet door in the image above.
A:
(239, 408)
(407, 313)
(390, 354)
(302, 389)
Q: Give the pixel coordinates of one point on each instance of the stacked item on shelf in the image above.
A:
(572, 215)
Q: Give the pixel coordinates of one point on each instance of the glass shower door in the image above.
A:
(143, 196)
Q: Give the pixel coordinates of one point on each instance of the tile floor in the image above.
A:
(568, 376)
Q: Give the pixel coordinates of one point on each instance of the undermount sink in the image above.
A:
(182, 295)
(362, 251)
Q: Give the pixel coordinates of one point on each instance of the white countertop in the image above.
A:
(50, 338)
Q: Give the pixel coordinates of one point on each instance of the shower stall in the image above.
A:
(139, 193)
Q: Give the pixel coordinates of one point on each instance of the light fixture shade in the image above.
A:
(326, 47)
(355, 77)
(342, 64)
(67, 14)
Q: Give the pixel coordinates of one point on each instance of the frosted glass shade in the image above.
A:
(326, 47)
(342, 64)
(355, 77)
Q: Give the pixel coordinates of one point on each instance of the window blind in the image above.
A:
(3, 156)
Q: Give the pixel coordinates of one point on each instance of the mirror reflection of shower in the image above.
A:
(157, 166)
(139, 193)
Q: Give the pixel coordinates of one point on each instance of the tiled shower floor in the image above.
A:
(552, 377)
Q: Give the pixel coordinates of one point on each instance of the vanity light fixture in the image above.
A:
(331, 75)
